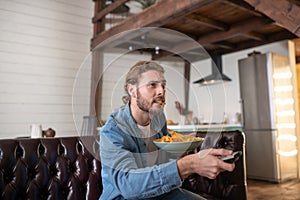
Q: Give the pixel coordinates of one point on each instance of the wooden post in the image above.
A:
(97, 67)
(187, 72)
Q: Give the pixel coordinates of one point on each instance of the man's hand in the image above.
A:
(205, 163)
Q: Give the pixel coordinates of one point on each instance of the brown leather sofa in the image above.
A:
(69, 168)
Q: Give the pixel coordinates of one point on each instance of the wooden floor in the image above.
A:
(261, 190)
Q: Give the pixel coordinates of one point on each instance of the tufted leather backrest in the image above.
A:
(50, 168)
(70, 168)
(227, 185)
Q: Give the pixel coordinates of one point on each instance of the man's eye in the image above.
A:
(156, 84)
(152, 85)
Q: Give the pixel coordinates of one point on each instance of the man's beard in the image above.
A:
(146, 106)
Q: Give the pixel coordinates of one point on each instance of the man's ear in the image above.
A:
(132, 90)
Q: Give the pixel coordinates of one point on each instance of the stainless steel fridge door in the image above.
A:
(254, 91)
(261, 162)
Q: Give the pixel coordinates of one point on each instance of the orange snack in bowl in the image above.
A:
(165, 138)
(177, 137)
(169, 122)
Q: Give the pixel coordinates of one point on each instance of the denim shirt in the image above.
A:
(125, 173)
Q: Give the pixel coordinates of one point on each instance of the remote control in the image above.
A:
(231, 158)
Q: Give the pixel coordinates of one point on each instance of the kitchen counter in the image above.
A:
(208, 127)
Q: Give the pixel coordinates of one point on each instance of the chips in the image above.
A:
(161, 103)
(177, 137)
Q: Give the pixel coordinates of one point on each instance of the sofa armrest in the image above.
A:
(227, 185)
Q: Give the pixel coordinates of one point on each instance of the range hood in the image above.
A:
(217, 75)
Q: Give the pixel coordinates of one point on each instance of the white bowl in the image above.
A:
(178, 147)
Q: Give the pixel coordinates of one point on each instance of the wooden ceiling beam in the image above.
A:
(236, 29)
(217, 38)
(155, 16)
(254, 36)
(209, 22)
(279, 36)
(242, 6)
(225, 45)
(283, 12)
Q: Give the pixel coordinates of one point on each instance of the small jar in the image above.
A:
(49, 133)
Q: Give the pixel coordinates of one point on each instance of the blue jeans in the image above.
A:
(179, 194)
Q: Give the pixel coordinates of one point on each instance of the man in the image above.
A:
(132, 167)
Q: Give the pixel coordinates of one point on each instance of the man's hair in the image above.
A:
(136, 71)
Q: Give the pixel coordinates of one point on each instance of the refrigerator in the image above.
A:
(268, 117)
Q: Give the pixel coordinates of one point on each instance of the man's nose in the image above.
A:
(161, 90)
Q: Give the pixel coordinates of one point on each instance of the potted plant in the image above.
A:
(146, 3)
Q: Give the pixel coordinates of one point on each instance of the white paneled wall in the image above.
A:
(42, 45)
